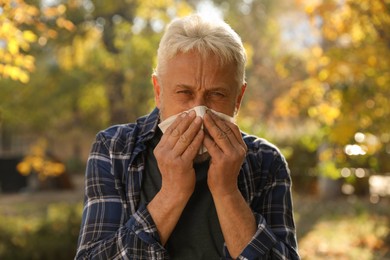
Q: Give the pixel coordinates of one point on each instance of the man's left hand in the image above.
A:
(227, 150)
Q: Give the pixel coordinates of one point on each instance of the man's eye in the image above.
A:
(184, 92)
(217, 94)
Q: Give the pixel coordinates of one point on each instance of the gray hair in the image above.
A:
(205, 36)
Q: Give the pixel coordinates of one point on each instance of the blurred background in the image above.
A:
(318, 87)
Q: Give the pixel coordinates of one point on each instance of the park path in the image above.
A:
(47, 196)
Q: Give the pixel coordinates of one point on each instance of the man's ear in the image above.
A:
(157, 90)
(240, 96)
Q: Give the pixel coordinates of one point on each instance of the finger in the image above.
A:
(227, 130)
(193, 148)
(228, 127)
(176, 129)
(186, 139)
(237, 141)
(219, 131)
(237, 133)
(173, 125)
(211, 146)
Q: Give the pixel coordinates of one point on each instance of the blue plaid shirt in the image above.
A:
(116, 226)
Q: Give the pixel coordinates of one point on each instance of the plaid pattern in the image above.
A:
(116, 226)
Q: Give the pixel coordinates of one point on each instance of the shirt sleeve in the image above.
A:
(275, 237)
(107, 232)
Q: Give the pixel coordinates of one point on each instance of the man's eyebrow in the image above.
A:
(212, 88)
(184, 86)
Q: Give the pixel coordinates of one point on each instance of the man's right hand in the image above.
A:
(175, 154)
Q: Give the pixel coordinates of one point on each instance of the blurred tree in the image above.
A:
(347, 88)
(21, 25)
(39, 162)
(275, 36)
(115, 46)
(89, 77)
(259, 25)
(24, 28)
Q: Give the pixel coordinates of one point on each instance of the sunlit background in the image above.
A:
(318, 87)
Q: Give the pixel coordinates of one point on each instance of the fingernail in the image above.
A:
(192, 113)
(184, 114)
(210, 113)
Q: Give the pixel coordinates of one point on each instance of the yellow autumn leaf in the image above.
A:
(50, 11)
(38, 163)
(13, 47)
(29, 36)
(324, 61)
(29, 62)
(54, 10)
(357, 33)
(329, 33)
(23, 168)
(56, 169)
(317, 51)
(18, 60)
(311, 66)
(66, 24)
(13, 72)
(7, 58)
(24, 77)
(61, 9)
(6, 28)
(323, 75)
(183, 8)
(52, 33)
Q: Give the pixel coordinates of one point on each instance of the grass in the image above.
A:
(344, 228)
(46, 234)
(45, 225)
(40, 225)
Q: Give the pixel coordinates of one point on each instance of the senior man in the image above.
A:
(184, 182)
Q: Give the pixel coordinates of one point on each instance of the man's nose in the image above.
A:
(199, 101)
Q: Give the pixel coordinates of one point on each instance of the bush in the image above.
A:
(51, 236)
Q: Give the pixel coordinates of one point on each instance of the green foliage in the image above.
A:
(344, 85)
(21, 26)
(51, 236)
(329, 169)
(96, 74)
(89, 66)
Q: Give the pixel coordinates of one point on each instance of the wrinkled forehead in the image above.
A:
(195, 58)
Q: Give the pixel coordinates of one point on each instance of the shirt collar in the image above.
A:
(149, 124)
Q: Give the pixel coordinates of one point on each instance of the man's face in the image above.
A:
(189, 81)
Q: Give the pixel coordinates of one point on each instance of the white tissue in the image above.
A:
(200, 111)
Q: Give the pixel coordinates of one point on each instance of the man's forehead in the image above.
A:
(201, 57)
(217, 86)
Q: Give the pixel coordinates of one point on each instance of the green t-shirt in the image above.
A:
(197, 234)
